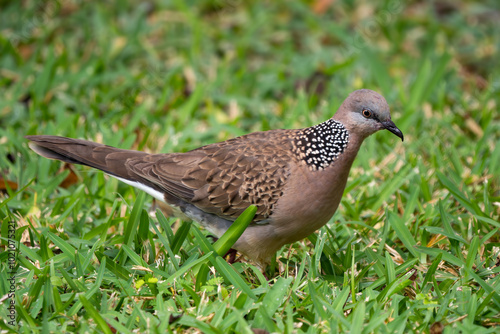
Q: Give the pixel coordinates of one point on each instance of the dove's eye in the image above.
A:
(367, 113)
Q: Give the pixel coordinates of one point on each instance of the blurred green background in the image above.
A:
(169, 76)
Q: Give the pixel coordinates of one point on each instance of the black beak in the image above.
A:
(389, 125)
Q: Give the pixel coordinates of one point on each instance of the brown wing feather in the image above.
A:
(224, 178)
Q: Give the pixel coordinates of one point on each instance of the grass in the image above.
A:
(414, 247)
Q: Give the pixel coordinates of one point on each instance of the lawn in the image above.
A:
(414, 246)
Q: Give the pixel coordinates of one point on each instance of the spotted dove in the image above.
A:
(295, 177)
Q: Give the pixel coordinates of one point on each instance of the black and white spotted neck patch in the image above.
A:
(319, 145)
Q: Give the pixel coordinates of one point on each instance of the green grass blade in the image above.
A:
(133, 256)
(186, 267)
(432, 270)
(459, 195)
(227, 240)
(233, 277)
(65, 247)
(403, 232)
(132, 224)
(273, 299)
(166, 242)
(358, 317)
(94, 314)
(446, 255)
(180, 236)
(471, 255)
